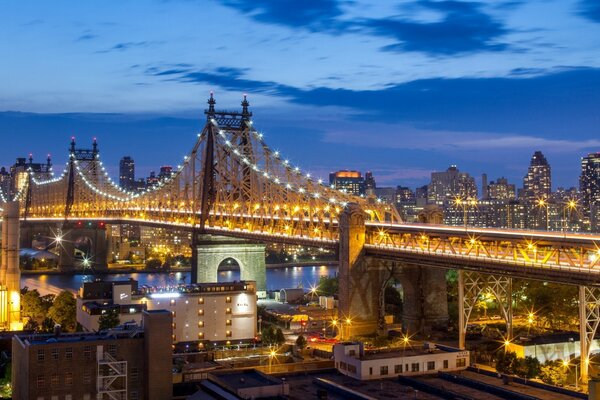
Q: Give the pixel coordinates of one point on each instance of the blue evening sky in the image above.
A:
(402, 88)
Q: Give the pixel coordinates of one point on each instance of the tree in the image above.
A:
(529, 367)
(279, 337)
(301, 342)
(33, 306)
(268, 335)
(328, 286)
(109, 320)
(63, 311)
(154, 263)
(553, 373)
(506, 362)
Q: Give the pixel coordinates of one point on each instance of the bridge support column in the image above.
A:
(589, 319)
(470, 286)
(360, 277)
(425, 305)
(212, 250)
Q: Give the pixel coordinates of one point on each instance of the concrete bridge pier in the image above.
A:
(211, 251)
(425, 305)
(362, 281)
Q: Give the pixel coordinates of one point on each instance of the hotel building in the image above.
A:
(216, 313)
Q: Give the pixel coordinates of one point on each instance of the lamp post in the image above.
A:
(569, 205)
(567, 364)
(272, 354)
(334, 325)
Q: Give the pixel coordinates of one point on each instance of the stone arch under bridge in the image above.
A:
(213, 250)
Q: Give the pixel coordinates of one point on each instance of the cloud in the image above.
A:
(526, 101)
(409, 138)
(463, 28)
(85, 37)
(590, 9)
(315, 15)
(128, 46)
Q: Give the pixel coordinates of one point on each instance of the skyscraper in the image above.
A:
(127, 173)
(450, 184)
(537, 184)
(589, 187)
(349, 181)
(537, 189)
(370, 184)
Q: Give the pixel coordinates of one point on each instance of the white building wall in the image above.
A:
(209, 316)
(214, 316)
(366, 369)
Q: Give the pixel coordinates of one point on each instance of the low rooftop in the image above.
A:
(236, 380)
(414, 349)
(127, 330)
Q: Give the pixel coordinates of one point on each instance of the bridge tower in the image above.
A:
(10, 272)
(208, 251)
(363, 280)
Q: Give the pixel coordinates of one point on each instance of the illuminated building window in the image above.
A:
(41, 381)
(201, 300)
(228, 322)
(228, 333)
(200, 335)
(200, 312)
(174, 325)
(228, 310)
(200, 324)
(228, 299)
(173, 302)
(68, 378)
(174, 314)
(54, 380)
(174, 337)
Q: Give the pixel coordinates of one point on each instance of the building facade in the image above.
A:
(352, 360)
(127, 173)
(349, 181)
(589, 187)
(203, 313)
(132, 361)
(451, 184)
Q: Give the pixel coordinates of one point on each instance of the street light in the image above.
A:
(543, 203)
(567, 364)
(334, 325)
(570, 205)
(272, 354)
(465, 203)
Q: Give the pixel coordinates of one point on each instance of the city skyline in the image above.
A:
(485, 99)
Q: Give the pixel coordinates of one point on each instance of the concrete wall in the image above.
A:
(212, 250)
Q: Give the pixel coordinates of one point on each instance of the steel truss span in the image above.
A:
(233, 183)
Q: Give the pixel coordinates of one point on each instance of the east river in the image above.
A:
(277, 278)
